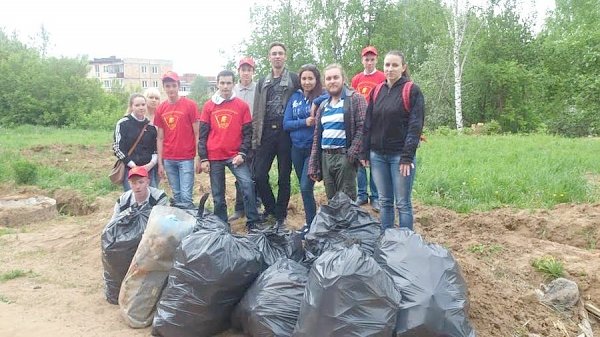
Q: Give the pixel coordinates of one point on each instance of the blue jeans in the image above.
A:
(153, 175)
(392, 187)
(243, 178)
(307, 186)
(361, 181)
(180, 174)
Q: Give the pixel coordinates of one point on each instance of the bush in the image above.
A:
(25, 172)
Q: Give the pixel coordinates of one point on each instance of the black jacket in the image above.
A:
(389, 128)
(126, 132)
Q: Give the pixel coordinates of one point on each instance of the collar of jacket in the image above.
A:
(285, 79)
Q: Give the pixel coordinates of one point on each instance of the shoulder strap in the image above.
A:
(377, 90)
(406, 95)
(137, 140)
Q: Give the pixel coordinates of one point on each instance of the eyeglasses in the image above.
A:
(154, 97)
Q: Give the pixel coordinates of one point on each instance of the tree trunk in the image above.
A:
(458, 38)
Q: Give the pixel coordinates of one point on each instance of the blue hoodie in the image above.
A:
(294, 120)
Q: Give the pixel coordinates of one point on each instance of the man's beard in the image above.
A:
(337, 92)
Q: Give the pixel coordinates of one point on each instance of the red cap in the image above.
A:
(170, 75)
(137, 171)
(246, 60)
(369, 49)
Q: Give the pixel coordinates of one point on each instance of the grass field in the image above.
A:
(459, 172)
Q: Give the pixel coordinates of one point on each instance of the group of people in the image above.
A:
(314, 122)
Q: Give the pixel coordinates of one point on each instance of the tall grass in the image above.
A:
(467, 173)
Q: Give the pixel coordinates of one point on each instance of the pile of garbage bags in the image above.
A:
(190, 276)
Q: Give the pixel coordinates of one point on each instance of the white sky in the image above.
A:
(191, 33)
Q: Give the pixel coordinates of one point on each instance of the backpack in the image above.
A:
(405, 98)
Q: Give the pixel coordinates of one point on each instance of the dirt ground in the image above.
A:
(62, 293)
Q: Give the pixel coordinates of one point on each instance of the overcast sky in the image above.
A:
(191, 33)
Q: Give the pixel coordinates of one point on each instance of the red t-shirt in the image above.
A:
(363, 84)
(225, 121)
(177, 120)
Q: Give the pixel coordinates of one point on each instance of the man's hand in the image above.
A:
(364, 163)
(198, 166)
(161, 170)
(237, 160)
(205, 166)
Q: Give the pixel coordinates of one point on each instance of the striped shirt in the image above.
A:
(334, 132)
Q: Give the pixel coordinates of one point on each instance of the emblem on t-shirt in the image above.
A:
(365, 88)
(223, 118)
(171, 120)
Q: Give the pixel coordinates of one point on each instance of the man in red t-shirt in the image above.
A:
(177, 122)
(364, 82)
(225, 139)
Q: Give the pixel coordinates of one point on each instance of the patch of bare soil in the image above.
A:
(63, 294)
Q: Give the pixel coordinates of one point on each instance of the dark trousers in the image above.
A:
(274, 143)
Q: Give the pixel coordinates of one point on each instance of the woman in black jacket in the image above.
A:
(393, 129)
(127, 131)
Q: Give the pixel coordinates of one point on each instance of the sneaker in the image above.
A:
(236, 215)
(375, 206)
(303, 231)
(361, 202)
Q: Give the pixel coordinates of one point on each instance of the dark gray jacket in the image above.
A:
(289, 81)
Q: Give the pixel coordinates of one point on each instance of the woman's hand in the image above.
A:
(310, 121)
(405, 169)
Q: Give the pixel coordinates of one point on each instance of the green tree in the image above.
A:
(200, 91)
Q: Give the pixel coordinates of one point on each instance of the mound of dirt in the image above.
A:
(71, 202)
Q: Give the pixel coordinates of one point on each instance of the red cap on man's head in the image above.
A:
(137, 171)
(246, 60)
(170, 75)
(369, 49)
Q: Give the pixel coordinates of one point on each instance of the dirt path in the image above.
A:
(62, 295)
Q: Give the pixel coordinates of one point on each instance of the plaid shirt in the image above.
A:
(355, 107)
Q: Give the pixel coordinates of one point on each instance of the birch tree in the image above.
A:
(457, 28)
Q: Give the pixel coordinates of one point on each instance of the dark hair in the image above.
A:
(405, 73)
(277, 44)
(318, 89)
(225, 73)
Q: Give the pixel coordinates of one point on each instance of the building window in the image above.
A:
(155, 84)
(107, 83)
(144, 69)
(144, 84)
(155, 69)
(105, 69)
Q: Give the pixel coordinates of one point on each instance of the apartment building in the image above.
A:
(131, 73)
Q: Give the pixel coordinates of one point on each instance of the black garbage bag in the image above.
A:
(119, 240)
(340, 221)
(212, 271)
(347, 294)
(434, 293)
(272, 304)
(275, 245)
